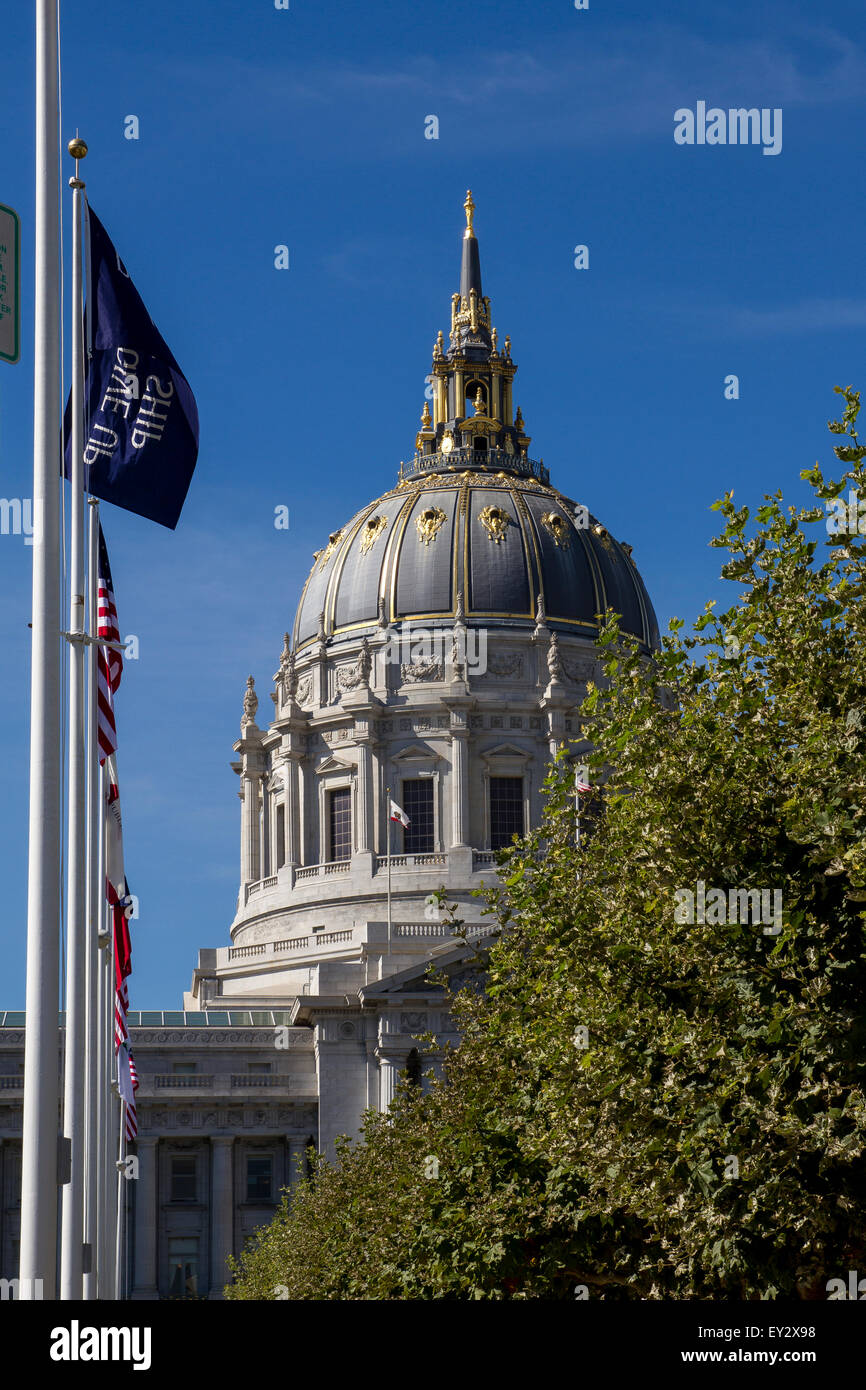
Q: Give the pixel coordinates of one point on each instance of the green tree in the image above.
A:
(644, 1106)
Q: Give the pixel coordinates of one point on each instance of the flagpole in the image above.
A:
(92, 1141)
(106, 1143)
(108, 1191)
(38, 1248)
(388, 833)
(72, 1231)
(118, 1244)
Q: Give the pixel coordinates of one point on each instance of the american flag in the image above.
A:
(127, 1084)
(109, 663)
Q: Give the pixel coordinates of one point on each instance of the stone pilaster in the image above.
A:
(146, 1233)
(222, 1213)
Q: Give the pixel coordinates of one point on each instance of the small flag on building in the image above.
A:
(580, 785)
(142, 420)
(398, 814)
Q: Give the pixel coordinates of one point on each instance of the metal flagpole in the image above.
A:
(104, 1095)
(118, 1244)
(38, 1250)
(108, 1192)
(72, 1233)
(92, 1139)
(388, 833)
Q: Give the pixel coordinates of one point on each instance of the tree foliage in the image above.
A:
(708, 1140)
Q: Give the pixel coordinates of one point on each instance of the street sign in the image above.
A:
(10, 281)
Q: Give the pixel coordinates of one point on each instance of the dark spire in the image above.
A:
(473, 425)
(470, 265)
(470, 311)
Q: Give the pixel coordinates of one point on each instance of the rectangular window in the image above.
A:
(506, 810)
(259, 1177)
(183, 1068)
(182, 1266)
(281, 835)
(259, 1068)
(418, 805)
(183, 1174)
(340, 823)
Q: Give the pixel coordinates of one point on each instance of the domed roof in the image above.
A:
(474, 528)
(499, 541)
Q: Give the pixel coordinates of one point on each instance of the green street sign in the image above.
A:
(10, 283)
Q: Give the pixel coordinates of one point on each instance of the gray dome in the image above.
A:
(499, 540)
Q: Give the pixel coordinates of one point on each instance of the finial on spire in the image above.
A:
(425, 416)
(479, 402)
(469, 207)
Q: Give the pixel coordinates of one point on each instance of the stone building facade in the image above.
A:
(441, 648)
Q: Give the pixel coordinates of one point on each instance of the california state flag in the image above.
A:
(398, 814)
(113, 832)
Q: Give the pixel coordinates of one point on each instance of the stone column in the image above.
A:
(266, 857)
(459, 785)
(222, 1213)
(293, 820)
(252, 866)
(244, 833)
(442, 395)
(389, 1070)
(146, 1224)
(363, 839)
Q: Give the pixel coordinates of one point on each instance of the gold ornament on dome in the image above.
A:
(495, 522)
(323, 556)
(428, 523)
(558, 528)
(447, 443)
(371, 532)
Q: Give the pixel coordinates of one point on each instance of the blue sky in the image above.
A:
(305, 127)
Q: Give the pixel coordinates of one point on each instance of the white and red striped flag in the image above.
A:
(109, 662)
(117, 893)
(127, 1084)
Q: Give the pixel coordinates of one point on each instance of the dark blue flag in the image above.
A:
(141, 421)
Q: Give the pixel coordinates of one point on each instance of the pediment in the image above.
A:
(332, 764)
(416, 752)
(505, 750)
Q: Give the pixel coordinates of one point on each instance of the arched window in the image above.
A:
(470, 393)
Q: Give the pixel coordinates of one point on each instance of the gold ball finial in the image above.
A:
(77, 148)
(469, 208)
